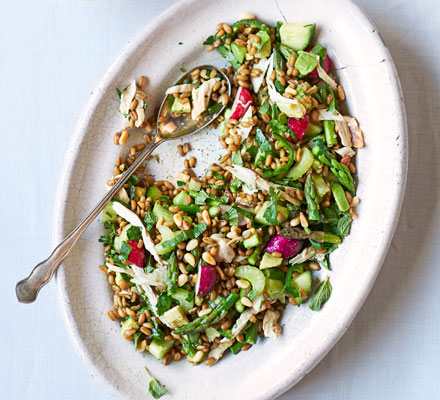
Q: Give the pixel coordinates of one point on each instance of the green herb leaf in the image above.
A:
(322, 294)
(235, 185)
(209, 40)
(149, 267)
(134, 233)
(149, 220)
(185, 235)
(231, 215)
(136, 339)
(264, 145)
(236, 158)
(163, 303)
(181, 183)
(270, 214)
(155, 388)
(343, 226)
(156, 332)
(119, 92)
(125, 251)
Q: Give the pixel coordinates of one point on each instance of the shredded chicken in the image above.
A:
(134, 220)
(224, 253)
(244, 131)
(201, 97)
(343, 133)
(269, 321)
(185, 88)
(127, 97)
(262, 65)
(325, 77)
(345, 151)
(357, 137)
(306, 254)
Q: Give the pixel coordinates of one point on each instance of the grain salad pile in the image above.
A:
(202, 265)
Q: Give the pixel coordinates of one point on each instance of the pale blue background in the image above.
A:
(52, 53)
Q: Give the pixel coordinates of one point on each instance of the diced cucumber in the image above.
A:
(269, 261)
(313, 129)
(128, 324)
(181, 296)
(154, 192)
(161, 211)
(179, 200)
(253, 258)
(259, 218)
(303, 281)
(108, 214)
(198, 300)
(339, 196)
(194, 185)
(167, 234)
(292, 110)
(139, 191)
(160, 347)
(297, 35)
(175, 317)
(238, 51)
(267, 45)
(301, 167)
(253, 275)
(117, 244)
(180, 108)
(212, 333)
(253, 240)
(274, 287)
(305, 62)
(320, 185)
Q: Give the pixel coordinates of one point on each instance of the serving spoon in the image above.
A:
(27, 289)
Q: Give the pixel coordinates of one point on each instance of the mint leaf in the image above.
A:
(264, 145)
(163, 303)
(236, 158)
(322, 294)
(149, 220)
(343, 226)
(155, 388)
(231, 215)
(125, 251)
(134, 233)
(156, 332)
(270, 215)
(136, 339)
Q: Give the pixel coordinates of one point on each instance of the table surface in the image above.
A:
(54, 53)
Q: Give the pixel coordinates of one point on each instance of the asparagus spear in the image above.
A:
(172, 275)
(311, 198)
(329, 132)
(201, 323)
(339, 170)
(318, 236)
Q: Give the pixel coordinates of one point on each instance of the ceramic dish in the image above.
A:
(365, 69)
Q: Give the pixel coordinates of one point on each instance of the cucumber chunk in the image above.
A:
(160, 211)
(167, 234)
(108, 214)
(179, 200)
(301, 167)
(303, 281)
(253, 240)
(269, 261)
(154, 192)
(181, 296)
(181, 108)
(123, 237)
(297, 35)
(259, 218)
(160, 347)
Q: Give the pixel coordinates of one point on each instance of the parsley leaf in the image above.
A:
(156, 332)
(119, 92)
(163, 303)
(264, 145)
(149, 220)
(125, 251)
(231, 215)
(185, 235)
(235, 185)
(322, 294)
(270, 215)
(149, 267)
(155, 388)
(134, 233)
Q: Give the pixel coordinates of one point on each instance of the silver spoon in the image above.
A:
(28, 288)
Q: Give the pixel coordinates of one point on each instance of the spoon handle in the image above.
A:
(28, 288)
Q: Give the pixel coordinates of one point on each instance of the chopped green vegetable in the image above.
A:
(155, 388)
(321, 296)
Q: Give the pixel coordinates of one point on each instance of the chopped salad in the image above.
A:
(207, 264)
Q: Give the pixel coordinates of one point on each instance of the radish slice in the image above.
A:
(243, 100)
(206, 280)
(299, 126)
(327, 65)
(287, 247)
(137, 255)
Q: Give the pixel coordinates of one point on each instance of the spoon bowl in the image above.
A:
(27, 289)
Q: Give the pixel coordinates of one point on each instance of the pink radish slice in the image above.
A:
(299, 126)
(137, 255)
(287, 247)
(206, 280)
(327, 65)
(243, 100)
(242, 220)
